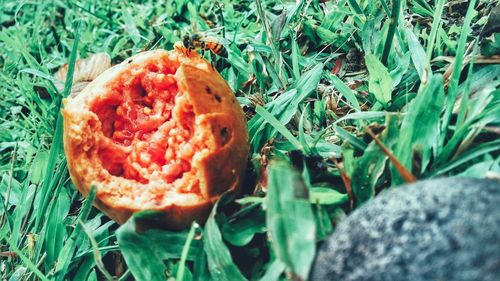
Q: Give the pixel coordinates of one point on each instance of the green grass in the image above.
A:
(410, 71)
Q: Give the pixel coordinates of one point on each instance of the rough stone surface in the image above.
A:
(442, 229)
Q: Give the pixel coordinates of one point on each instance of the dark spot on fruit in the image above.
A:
(218, 98)
(224, 133)
(209, 91)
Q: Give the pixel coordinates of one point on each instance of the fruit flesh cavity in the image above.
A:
(148, 127)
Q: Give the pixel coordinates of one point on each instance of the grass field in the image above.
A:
(349, 97)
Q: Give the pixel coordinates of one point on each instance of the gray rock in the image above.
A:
(442, 229)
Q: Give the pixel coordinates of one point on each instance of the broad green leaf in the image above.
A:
(220, 262)
(380, 82)
(240, 230)
(290, 220)
(417, 52)
(327, 196)
(370, 167)
(402, 64)
(55, 230)
(420, 128)
(145, 252)
(38, 166)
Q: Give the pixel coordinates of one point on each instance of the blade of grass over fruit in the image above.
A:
(72, 60)
(436, 23)
(220, 262)
(457, 69)
(151, 247)
(394, 20)
(56, 149)
(268, 117)
(69, 247)
(185, 251)
(290, 219)
(345, 91)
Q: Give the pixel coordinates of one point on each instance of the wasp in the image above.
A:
(198, 41)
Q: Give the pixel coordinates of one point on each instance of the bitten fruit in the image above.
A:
(160, 131)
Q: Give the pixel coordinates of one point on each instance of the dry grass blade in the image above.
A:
(405, 174)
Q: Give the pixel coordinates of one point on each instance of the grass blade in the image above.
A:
(69, 247)
(185, 251)
(290, 220)
(345, 91)
(394, 18)
(268, 117)
(220, 262)
(457, 69)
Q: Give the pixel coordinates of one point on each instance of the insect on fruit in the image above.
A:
(198, 41)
